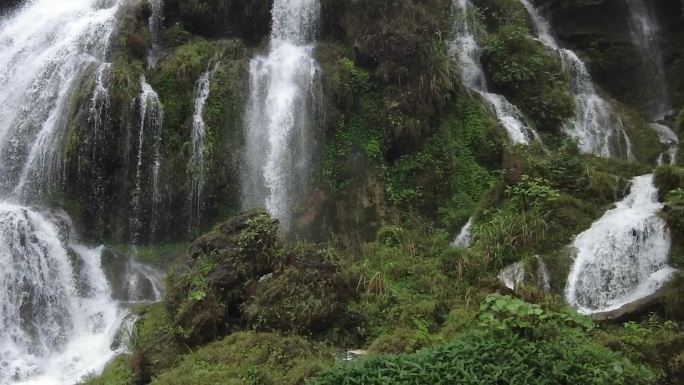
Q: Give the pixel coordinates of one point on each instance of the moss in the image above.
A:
(306, 296)
(155, 343)
(117, 372)
(248, 358)
(224, 119)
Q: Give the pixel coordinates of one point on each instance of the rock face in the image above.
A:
(247, 19)
(634, 309)
(599, 30)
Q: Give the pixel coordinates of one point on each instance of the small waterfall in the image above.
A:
(646, 34)
(196, 164)
(99, 116)
(284, 89)
(623, 256)
(155, 23)
(669, 139)
(514, 275)
(595, 127)
(151, 120)
(464, 237)
(465, 48)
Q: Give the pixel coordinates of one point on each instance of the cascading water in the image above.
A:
(670, 140)
(623, 256)
(464, 237)
(58, 321)
(196, 164)
(39, 64)
(645, 33)
(465, 48)
(595, 126)
(150, 123)
(284, 89)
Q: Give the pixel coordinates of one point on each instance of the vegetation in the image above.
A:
(407, 157)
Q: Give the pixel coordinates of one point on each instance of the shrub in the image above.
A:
(495, 357)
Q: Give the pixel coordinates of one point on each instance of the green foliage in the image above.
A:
(248, 358)
(404, 278)
(448, 175)
(530, 193)
(655, 342)
(492, 357)
(504, 312)
(513, 58)
(360, 124)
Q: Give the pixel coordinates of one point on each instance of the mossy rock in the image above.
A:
(204, 292)
(249, 358)
(306, 296)
(156, 343)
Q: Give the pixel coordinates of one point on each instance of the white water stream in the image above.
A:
(623, 256)
(465, 48)
(197, 161)
(596, 128)
(283, 95)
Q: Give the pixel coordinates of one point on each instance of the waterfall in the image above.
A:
(623, 256)
(466, 50)
(58, 320)
(151, 120)
(464, 237)
(155, 24)
(283, 95)
(645, 33)
(99, 114)
(514, 275)
(670, 140)
(39, 64)
(196, 164)
(595, 126)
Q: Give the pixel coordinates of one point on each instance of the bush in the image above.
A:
(495, 357)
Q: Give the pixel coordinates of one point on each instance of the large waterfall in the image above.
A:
(595, 126)
(623, 256)
(283, 97)
(467, 51)
(58, 321)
